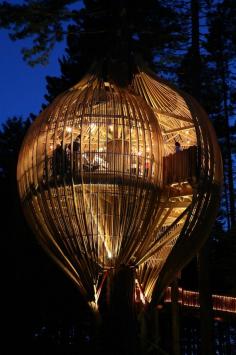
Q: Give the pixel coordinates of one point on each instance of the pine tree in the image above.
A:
(221, 47)
(42, 21)
(35, 291)
(148, 28)
(116, 31)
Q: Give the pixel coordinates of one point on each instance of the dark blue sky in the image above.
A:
(22, 88)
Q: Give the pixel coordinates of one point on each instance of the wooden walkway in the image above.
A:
(226, 304)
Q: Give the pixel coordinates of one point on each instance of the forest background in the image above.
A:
(189, 42)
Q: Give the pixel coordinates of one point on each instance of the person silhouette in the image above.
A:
(76, 143)
(76, 153)
(177, 147)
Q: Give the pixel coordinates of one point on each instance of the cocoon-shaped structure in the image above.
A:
(113, 176)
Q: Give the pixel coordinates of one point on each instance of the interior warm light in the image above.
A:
(92, 126)
(68, 129)
(93, 305)
(139, 292)
(101, 181)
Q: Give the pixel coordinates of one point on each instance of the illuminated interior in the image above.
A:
(111, 176)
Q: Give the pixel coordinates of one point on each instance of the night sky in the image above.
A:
(22, 87)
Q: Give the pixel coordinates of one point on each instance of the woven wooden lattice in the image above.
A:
(111, 176)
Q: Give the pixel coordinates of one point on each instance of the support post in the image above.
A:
(175, 318)
(205, 298)
(122, 333)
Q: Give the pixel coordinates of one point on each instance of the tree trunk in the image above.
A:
(227, 205)
(205, 298)
(175, 318)
(204, 288)
(122, 334)
(228, 145)
(195, 50)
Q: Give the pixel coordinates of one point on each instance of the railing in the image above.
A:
(191, 299)
(180, 166)
(63, 163)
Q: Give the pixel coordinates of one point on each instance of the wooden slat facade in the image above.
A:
(102, 184)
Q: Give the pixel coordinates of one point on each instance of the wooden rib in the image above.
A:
(91, 221)
(179, 129)
(169, 114)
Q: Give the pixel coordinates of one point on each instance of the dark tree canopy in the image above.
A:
(100, 28)
(160, 31)
(43, 21)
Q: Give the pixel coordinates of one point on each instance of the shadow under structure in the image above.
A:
(121, 185)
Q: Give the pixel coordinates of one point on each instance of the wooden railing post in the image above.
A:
(205, 299)
(175, 318)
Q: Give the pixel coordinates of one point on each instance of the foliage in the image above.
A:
(36, 292)
(223, 262)
(221, 54)
(41, 20)
(11, 136)
(207, 71)
(161, 32)
(103, 26)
